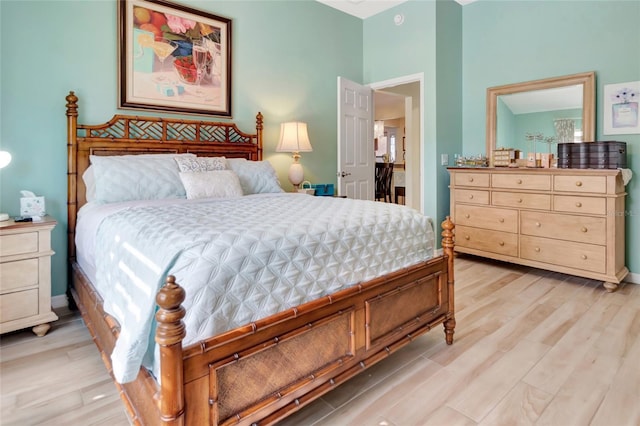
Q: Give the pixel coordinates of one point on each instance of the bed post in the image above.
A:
(447, 247)
(72, 172)
(259, 127)
(169, 334)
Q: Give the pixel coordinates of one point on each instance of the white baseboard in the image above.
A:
(632, 278)
(59, 301)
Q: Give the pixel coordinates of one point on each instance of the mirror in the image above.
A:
(559, 107)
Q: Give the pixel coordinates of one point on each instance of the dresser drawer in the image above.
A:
(584, 257)
(18, 274)
(521, 181)
(20, 304)
(523, 200)
(584, 229)
(472, 179)
(472, 196)
(492, 241)
(18, 243)
(577, 183)
(587, 205)
(487, 217)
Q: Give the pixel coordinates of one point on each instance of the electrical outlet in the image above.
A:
(444, 159)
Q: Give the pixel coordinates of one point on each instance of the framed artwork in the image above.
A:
(621, 108)
(173, 58)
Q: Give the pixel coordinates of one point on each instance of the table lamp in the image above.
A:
(5, 159)
(295, 139)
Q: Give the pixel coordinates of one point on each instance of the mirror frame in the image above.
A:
(588, 81)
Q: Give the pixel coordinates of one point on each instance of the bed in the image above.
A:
(261, 370)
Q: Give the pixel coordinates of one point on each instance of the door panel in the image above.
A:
(355, 140)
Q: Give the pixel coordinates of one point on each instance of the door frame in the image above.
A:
(412, 78)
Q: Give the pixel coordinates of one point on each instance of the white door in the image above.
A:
(356, 158)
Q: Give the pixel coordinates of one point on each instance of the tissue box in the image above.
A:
(32, 206)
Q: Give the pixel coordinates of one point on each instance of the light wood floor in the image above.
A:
(531, 347)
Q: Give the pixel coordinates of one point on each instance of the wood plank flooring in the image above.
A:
(531, 347)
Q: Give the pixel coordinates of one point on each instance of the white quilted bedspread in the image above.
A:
(242, 259)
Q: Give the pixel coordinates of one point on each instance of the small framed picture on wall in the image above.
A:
(621, 108)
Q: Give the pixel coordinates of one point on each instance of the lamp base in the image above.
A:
(296, 175)
(3, 217)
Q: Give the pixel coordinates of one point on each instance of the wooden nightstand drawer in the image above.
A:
(595, 184)
(487, 218)
(521, 181)
(18, 243)
(587, 205)
(583, 229)
(522, 200)
(18, 274)
(20, 304)
(472, 196)
(492, 241)
(472, 179)
(586, 257)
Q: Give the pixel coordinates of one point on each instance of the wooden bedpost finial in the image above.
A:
(259, 119)
(72, 104)
(170, 328)
(447, 235)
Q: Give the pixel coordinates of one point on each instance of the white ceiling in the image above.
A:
(366, 8)
(569, 97)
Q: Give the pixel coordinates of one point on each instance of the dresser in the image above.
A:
(25, 275)
(564, 220)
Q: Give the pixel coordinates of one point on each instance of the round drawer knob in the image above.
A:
(578, 204)
(583, 229)
(470, 179)
(578, 183)
(471, 197)
(501, 220)
(584, 257)
(538, 224)
(519, 200)
(519, 181)
(537, 249)
(501, 243)
(467, 216)
(466, 237)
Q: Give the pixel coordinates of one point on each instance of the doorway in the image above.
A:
(411, 89)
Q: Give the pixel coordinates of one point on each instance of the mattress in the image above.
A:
(239, 259)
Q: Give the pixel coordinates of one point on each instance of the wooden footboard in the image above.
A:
(266, 370)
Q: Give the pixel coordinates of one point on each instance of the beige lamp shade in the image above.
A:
(5, 159)
(294, 138)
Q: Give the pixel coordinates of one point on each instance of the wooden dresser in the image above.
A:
(565, 220)
(25, 275)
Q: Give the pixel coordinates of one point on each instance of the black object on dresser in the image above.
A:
(592, 155)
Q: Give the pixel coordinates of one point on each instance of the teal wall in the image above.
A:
(513, 41)
(429, 42)
(286, 56)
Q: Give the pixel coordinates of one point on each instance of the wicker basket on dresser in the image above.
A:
(564, 220)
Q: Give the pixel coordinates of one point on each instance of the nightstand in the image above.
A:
(25, 275)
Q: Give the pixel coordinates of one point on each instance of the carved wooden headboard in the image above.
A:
(128, 134)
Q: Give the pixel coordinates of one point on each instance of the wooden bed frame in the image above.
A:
(261, 372)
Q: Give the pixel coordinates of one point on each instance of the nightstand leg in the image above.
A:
(41, 329)
(611, 287)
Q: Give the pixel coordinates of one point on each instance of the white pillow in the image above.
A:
(201, 164)
(211, 184)
(256, 177)
(136, 177)
(89, 179)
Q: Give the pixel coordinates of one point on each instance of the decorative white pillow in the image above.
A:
(201, 164)
(211, 184)
(89, 179)
(256, 177)
(136, 177)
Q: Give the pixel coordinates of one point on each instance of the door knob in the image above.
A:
(343, 174)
